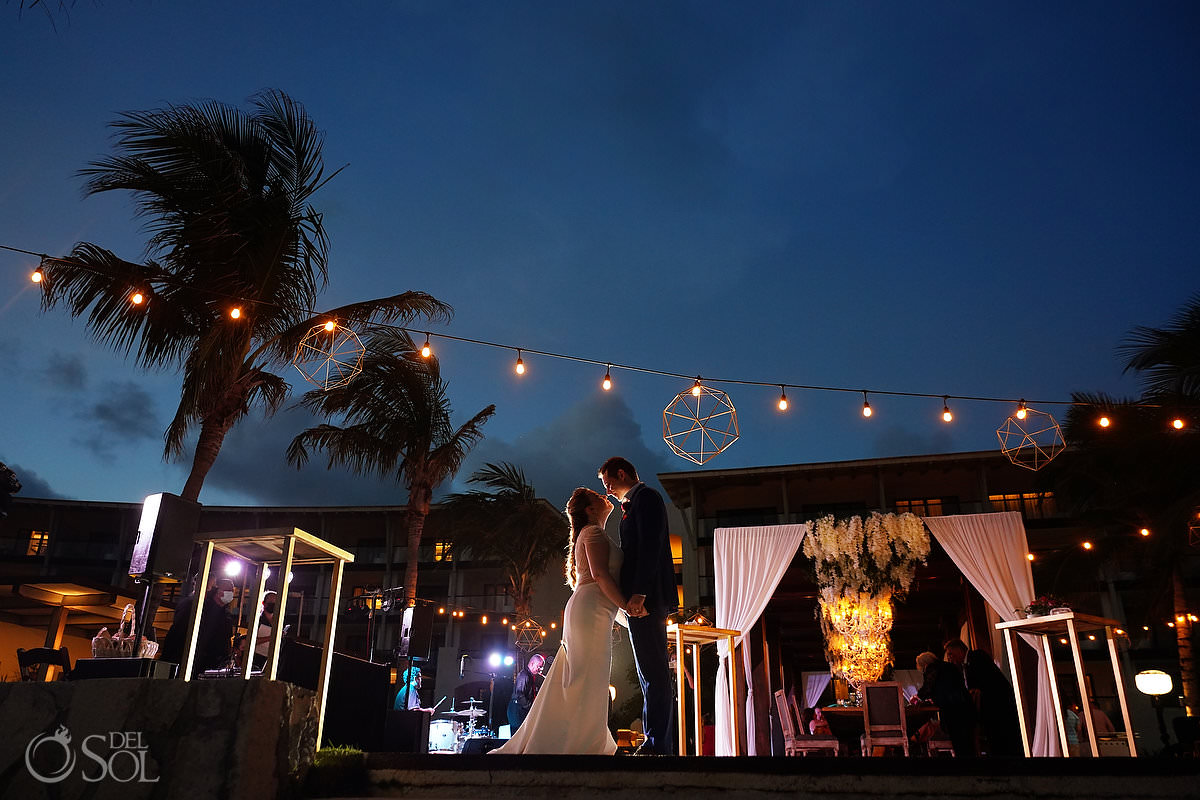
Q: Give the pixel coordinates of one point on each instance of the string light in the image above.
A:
(696, 387)
(520, 368)
(1088, 545)
(137, 298)
(1104, 422)
(946, 415)
(504, 621)
(866, 406)
(1021, 413)
(235, 313)
(1177, 423)
(607, 383)
(1029, 556)
(783, 404)
(441, 610)
(36, 276)
(426, 350)
(1144, 531)
(483, 619)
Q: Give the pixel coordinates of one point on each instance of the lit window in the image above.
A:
(1032, 505)
(929, 507)
(442, 551)
(37, 543)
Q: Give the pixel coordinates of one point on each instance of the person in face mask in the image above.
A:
(214, 640)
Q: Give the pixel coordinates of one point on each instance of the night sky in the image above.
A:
(951, 198)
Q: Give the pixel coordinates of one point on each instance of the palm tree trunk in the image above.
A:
(418, 510)
(1183, 636)
(212, 435)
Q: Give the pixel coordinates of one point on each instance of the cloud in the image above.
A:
(124, 415)
(566, 452)
(32, 485)
(66, 371)
(896, 440)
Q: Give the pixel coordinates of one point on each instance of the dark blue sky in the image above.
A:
(961, 198)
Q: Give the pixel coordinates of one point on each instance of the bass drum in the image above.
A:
(444, 736)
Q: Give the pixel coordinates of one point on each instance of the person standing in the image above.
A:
(998, 721)
(648, 579)
(214, 640)
(525, 691)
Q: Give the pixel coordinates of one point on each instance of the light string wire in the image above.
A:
(169, 280)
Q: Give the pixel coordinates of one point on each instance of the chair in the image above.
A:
(31, 662)
(795, 741)
(883, 717)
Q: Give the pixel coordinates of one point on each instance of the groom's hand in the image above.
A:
(637, 606)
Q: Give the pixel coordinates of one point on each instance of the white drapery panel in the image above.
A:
(748, 564)
(989, 549)
(814, 687)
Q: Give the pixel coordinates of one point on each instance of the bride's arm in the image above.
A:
(596, 546)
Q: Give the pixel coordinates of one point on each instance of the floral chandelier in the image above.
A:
(860, 565)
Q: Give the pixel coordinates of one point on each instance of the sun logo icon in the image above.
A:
(47, 743)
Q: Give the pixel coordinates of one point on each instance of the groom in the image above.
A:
(648, 580)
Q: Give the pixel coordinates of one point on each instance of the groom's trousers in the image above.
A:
(649, 638)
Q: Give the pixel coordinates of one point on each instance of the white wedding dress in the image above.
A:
(570, 712)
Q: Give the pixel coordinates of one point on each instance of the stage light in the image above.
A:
(508, 661)
(494, 660)
(233, 567)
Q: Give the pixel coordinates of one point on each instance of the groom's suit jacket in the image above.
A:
(647, 568)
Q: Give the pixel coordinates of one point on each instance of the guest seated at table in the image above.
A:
(998, 722)
(945, 687)
(818, 725)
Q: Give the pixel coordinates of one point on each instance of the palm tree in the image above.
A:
(396, 424)
(225, 194)
(511, 525)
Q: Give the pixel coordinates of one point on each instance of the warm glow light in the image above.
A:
(1091, 637)
(504, 621)
(1145, 627)
(426, 349)
(1153, 682)
(441, 611)
(553, 625)
(1029, 556)
(329, 326)
(235, 313)
(696, 387)
(607, 384)
(1105, 422)
(1062, 641)
(520, 368)
(483, 619)
(866, 406)
(1021, 413)
(782, 399)
(514, 627)
(1177, 423)
(1144, 531)
(543, 634)
(36, 276)
(1170, 624)
(946, 415)
(1087, 545)
(1119, 631)
(137, 298)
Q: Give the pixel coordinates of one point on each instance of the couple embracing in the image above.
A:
(570, 714)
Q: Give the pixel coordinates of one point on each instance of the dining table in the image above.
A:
(846, 722)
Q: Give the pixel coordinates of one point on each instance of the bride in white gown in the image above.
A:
(570, 712)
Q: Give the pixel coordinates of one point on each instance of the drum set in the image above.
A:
(447, 733)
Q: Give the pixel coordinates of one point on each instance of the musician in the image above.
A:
(409, 694)
(528, 681)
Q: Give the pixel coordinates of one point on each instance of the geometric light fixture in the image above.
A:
(329, 355)
(1032, 442)
(528, 634)
(700, 423)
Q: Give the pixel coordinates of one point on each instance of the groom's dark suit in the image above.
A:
(647, 570)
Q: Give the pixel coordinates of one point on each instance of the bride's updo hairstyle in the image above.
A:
(577, 515)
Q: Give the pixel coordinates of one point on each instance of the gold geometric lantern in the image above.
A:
(528, 634)
(1032, 442)
(329, 355)
(700, 423)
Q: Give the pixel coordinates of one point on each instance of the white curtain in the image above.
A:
(989, 549)
(748, 565)
(814, 687)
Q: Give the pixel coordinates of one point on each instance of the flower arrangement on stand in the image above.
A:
(861, 566)
(1043, 604)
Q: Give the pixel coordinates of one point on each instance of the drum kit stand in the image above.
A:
(447, 734)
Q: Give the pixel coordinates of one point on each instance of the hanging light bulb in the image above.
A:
(1088, 545)
(1021, 412)
(37, 275)
(330, 326)
(1144, 531)
(1177, 424)
(1104, 421)
(607, 384)
(483, 619)
(866, 406)
(520, 368)
(783, 403)
(137, 298)
(235, 313)
(1029, 556)
(947, 416)
(696, 387)
(426, 350)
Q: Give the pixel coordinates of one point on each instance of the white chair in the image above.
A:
(795, 741)
(883, 717)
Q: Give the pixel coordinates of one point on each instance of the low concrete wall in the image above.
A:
(131, 738)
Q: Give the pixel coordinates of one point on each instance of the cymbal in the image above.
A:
(470, 712)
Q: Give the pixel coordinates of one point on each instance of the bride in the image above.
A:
(570, 712)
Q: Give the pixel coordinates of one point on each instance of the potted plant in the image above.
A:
(1043, 604)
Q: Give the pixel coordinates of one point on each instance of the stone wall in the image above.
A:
(132, 738)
